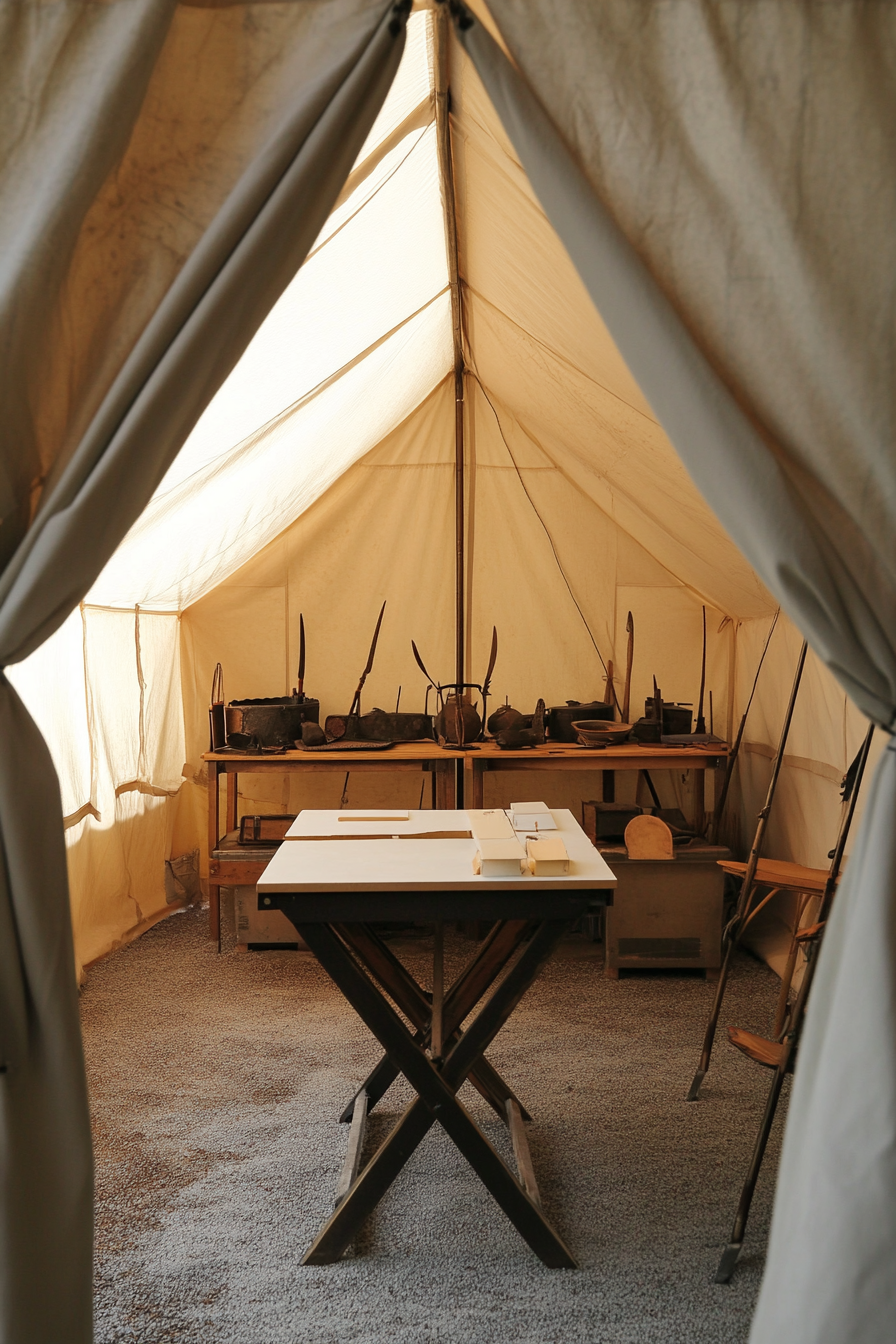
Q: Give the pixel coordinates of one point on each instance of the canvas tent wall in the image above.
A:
(321, 480)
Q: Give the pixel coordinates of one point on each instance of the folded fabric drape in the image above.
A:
(165, 170)
(721, 176)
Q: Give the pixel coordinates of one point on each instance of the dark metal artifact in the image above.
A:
(263, 831)
(458, 721)
(523, 732)
(662, 718)
(354, 731)
(502, 718)
(217, 728)
(272, 721)
(627, 693)
(380, 725)
(559, 718)
(356, 703)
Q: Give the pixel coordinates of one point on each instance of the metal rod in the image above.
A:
(442, 36)
(733, 931)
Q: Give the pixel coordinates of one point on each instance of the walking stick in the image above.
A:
(734, 926)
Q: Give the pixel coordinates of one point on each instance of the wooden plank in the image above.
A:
(352, 1163)
(407, 752)
(237, 872)
(520, 1141)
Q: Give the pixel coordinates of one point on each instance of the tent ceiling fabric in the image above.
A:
(362, 336)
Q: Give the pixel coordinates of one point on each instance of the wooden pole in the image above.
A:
(736, 924)
(442, 36)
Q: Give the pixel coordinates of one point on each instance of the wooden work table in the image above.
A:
(233, 865)
(487, 756)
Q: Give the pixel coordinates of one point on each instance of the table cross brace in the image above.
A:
(436, 1089)
(381, 962)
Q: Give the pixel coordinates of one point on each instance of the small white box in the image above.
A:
(532, 817)
(547, 858)
(490, 824)
(499, 858)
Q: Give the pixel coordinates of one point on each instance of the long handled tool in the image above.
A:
(487, 683)
(300, 689)
(735, 925)
(627, 692)
(610, 693)
(733, 754)
(781, 1054)
(356, 703)
(701, 721)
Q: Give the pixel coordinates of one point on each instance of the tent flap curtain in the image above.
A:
(674, 177)
(84, 187)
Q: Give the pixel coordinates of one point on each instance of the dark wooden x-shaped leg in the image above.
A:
(436, 1082)
(465, 993)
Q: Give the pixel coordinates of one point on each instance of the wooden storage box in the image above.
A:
(666, 913)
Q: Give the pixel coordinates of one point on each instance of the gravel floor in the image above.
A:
(216, 1082)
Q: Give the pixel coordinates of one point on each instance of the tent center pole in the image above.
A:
(441, 38)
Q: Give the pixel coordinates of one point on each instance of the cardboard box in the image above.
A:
(547, 858)
(499, 858)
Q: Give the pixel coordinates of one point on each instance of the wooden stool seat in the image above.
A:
(779, 873)
(759, 1048)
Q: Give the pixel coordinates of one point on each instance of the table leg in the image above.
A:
(699, 800)
(436, 1096)
(232, 796)
(609, 785)
(214, 889)
(480, 972)
(438, 990)
(445, 791)
(474, 772)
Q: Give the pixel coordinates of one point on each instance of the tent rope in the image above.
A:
(547, 533)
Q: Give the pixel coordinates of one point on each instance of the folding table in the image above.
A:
(335, 880)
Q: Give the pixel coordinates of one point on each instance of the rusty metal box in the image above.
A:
(666, 913)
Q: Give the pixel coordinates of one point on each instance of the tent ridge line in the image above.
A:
(372, 197)
(246, 445)
(808, 763)
(550, 539)
(562, 359)
(420, 117)
(616, 491)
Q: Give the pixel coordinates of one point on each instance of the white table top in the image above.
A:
(409, 865)
(325, 822)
